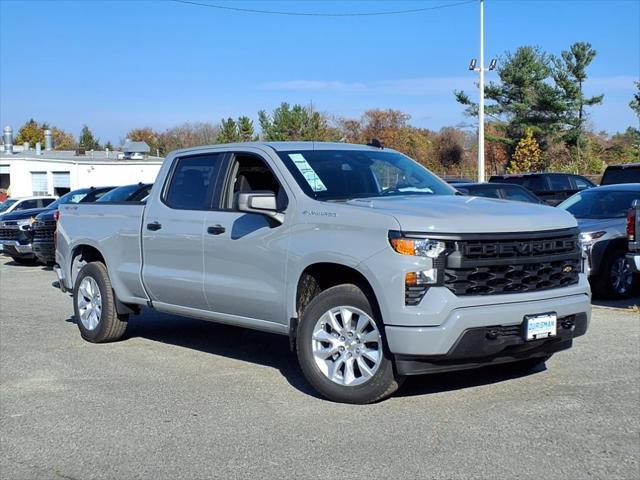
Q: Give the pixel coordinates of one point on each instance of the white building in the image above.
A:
(53, 172)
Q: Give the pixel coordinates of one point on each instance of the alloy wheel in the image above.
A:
(621, 276)
(89, 303)
(347, 346)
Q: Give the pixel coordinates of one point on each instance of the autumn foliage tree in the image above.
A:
(527, 156)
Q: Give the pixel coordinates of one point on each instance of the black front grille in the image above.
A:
(44, 231)
(513, 263)
(529, 277)
(9, 233)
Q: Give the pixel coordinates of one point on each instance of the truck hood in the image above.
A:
(461, 214)
(22, 214)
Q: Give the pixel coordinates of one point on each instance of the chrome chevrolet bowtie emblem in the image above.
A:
(567, 269)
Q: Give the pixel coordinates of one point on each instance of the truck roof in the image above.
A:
(291, 146)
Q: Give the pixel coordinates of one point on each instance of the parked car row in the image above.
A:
(27, 235)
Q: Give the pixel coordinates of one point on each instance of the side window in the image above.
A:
(535, 184)
(250, 173)
(581, 183)
(27, 204)
(560, 182)
(516, 195)
(193, 181)
(46, 201)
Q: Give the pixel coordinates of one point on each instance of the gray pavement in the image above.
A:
(183, 398)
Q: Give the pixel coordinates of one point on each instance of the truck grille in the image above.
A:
(512, 263)
(44, 231)
(528, 277)
(9, 233)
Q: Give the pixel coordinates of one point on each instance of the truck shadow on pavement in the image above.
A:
(272, 350)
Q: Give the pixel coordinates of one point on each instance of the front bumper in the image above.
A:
(14, 248)
(483, 346)
(634, 261)
(45, 251)
(440, 340)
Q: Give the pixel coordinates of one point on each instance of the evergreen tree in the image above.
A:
(228, 131)
(87, 140)
(523, 99)
(296, 123)
(245, 129)
(635, 102)
(569, 74)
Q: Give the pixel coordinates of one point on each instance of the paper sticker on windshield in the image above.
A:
(307, 172)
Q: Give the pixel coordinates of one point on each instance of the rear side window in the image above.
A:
(560, 182)
(193, 181)
(582, 183)
(47, 201)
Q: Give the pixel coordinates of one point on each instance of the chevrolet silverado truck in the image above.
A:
(374, 267)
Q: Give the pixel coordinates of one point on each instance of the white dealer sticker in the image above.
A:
(307, 172)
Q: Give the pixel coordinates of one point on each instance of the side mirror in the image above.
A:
(259, 202)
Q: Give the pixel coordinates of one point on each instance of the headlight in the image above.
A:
(26, 223)
(587, 238)
(419, 247)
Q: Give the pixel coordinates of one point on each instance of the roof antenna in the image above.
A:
(375, 143)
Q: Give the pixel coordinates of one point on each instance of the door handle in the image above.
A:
(216, 230)
(154, 226)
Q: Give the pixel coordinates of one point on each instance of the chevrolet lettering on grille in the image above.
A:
(531, 247)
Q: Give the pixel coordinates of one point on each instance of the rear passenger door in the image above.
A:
(172, 233)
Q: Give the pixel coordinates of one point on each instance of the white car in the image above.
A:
(24, 203)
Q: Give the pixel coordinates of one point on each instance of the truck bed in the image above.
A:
(113, 228)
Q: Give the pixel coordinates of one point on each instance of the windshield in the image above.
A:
(600, 204)
(346, 174)
(71, 197)
(120, 194)
(7, 203)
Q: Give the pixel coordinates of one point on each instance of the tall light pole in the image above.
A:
(481, 69)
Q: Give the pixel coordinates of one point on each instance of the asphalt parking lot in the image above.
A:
(183, 398)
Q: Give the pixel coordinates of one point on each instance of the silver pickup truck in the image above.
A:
(374, 267)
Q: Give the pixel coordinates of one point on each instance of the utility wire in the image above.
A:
(320, 14)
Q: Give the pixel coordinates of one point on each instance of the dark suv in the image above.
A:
(553, 188)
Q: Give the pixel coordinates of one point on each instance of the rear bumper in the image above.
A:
(634, 261)
(482, 346)
(14, 248)
(440, 340)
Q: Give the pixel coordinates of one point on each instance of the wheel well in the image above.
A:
(320, 276)
(87, 254)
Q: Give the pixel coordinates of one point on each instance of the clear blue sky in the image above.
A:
(115, 65)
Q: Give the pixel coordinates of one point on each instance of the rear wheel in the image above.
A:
(341, 348)
(94, 305)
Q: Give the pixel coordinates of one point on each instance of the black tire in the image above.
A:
(383, 382)
(111, 326)
(524, 366)
(25, 260)
(603, 284)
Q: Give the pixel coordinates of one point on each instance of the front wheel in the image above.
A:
(615, 279)
(341, 348)
(95, 306)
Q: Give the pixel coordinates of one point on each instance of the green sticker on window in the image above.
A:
(307, 172)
